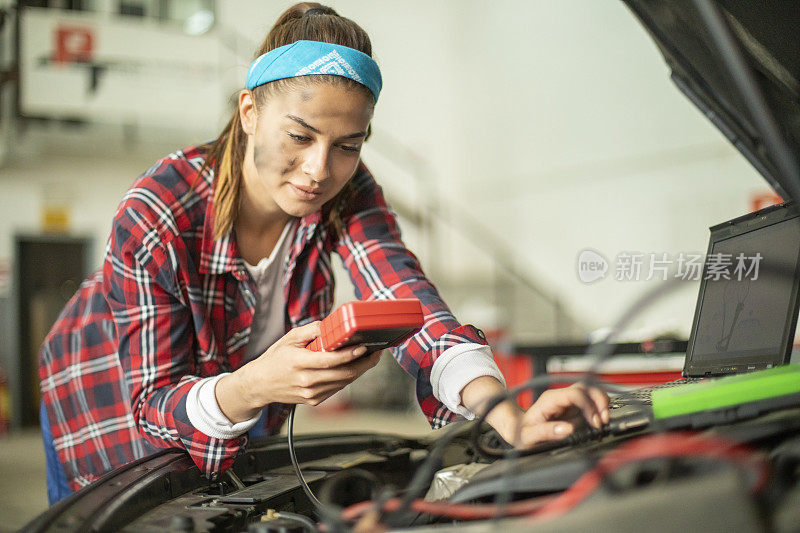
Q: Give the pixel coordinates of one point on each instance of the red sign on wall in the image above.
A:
(73, 44)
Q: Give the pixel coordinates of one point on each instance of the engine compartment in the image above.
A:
(166, 491)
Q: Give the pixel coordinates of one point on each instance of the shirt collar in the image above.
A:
(217, 255)
(222, 255)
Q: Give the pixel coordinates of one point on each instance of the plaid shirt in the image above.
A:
(172, 305)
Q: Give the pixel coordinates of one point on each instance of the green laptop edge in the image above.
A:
(726, 392)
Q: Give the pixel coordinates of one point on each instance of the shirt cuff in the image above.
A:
(206, 416)
(456, 367)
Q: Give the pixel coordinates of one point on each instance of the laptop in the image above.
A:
(747, 305)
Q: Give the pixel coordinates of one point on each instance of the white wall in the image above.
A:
(85, 168)
(93, 187)
(554, 123)
(576, 138)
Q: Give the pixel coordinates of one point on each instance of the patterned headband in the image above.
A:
(309, 58)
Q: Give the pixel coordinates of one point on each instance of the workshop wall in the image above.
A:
(583, 142)
(553, 124)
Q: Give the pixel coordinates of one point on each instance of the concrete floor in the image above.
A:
(22, 479)
(22, 466)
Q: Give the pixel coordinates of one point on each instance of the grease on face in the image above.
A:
(261, 161)
(277, 157)
(257, 156)
(289, 166)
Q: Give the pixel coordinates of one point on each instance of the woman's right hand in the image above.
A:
(289, 373)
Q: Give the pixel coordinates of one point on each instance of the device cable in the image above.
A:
(296, 466)
(330, 516)
(425, 472)
(602, 350)
(310, 524)
(673, 445)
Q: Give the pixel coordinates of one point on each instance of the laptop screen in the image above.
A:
(745, 318)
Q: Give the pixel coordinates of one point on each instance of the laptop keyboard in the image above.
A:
(644, 396)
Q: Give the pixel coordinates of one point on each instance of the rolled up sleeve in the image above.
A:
(382, 268)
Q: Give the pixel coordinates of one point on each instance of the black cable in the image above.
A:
(385, 494)
(602, 350)
(504, 496)
(425, 472)
(293, 456)
(605, 348)
(580, 434)
(330, 516)
(298, 518)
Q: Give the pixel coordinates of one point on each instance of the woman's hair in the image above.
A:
(303, 21)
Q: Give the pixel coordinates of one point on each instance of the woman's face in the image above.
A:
(303, 146)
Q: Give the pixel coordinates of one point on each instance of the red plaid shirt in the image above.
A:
(172, 305)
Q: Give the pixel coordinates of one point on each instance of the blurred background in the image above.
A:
(509, 138)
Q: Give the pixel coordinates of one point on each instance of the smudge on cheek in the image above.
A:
(265, 163)
(258, 157)
(292, 162)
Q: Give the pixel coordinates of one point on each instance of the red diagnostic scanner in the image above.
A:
(377, 324)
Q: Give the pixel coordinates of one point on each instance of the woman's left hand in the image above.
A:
(554, 416)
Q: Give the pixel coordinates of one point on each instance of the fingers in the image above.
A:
(600, 400)
(346, 372)
(545, 432)
(302, 335)
(320, 394)
(561, 400)
(317, 385)
(557, 403)
(582, 400)
(323, 360)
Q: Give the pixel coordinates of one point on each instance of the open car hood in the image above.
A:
(768, 33)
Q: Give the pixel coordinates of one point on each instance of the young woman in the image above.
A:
(218, 270)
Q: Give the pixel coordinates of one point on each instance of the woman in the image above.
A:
(218, 270)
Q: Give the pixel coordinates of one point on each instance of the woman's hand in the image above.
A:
(558, 412)
(554, 416)
(289, 373)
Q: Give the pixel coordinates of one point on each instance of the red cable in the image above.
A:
(656, 446)
(682, 444)
(457, 511)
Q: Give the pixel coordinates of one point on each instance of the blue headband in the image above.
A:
(308, 58)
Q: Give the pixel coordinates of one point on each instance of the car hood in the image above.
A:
(769, 37)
